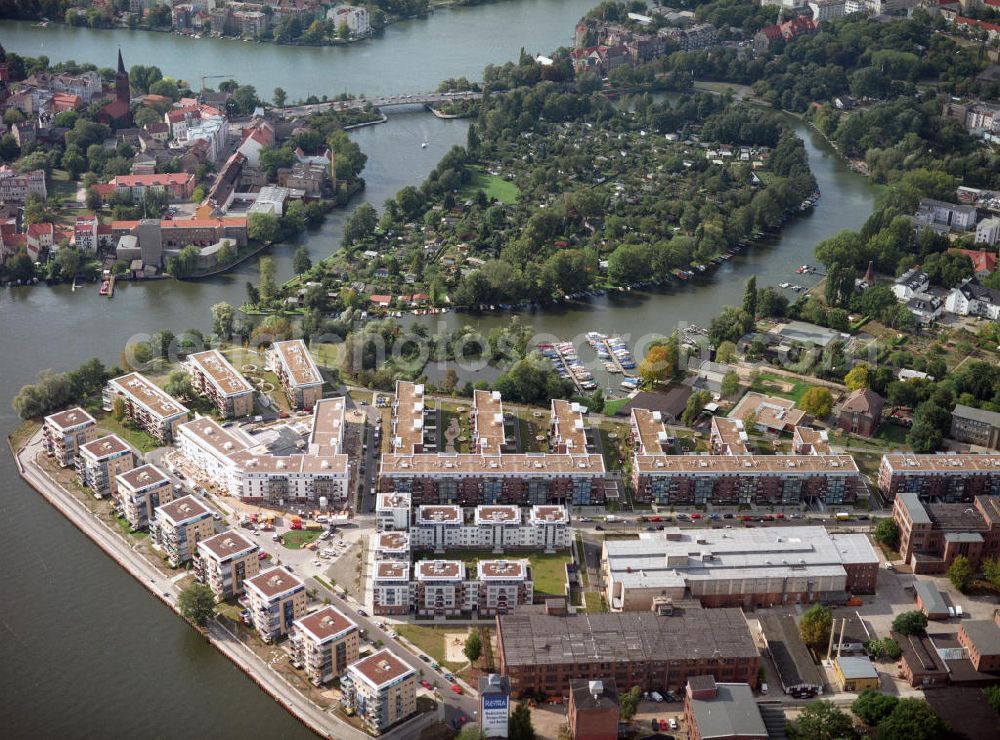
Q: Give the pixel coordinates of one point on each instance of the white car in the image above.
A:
(318, 563)
(673, 723)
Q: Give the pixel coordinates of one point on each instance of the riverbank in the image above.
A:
(165, 590)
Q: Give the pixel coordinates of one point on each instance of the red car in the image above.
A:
(456, 688)
(780, 515)
(427, 685)
(696, 515)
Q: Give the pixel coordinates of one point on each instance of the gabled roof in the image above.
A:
(864, 401)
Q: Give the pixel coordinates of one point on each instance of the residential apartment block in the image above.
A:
(299, 376)
(140, 491)
(101, 460)
(489, 476)
(381, 690)
(737, 567)
(225, 561)
(541, 653)
(179, 526)
(176, 186)
(277, 599)
(391, 593)
(932, 535)
(243, 467)
(504, 585)
(325, 642)
(392, 546)
(948, 477)
(392, 512)
(213, 376)
(64, 432)
(976, 426)
(147, 405)
(497, 527)
(440, 589)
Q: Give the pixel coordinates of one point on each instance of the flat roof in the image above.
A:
(143, 477)
(381, 669)
(601, 694)
(746, 465)
(182, 510)
(772, 412)
(326, 624)
(295, 357)
(790, 655)
(150, 396)
(570, 427)
(69, 419)
(984, 634)
(817, 439)
(445, 464)
(648, 428)
(274, 583)
(732, 434)
(732, 712)
(852, 667)
(498, 514)
(549, 514)
(105, 447)
(487, 428)
(327, 435)
(408, 417)
(228, 544)
(393, 541)
(903, 464)
(439, 570)
(531, 638)
(392, 501)
(227, 380)
(501, 570)
(392, 570)
(439, 514)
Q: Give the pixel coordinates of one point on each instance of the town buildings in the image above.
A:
(943, 217)
(156, 412)
(809, 441)
(392, 512)
(769, 413)
(381, 689)
(140, 491)
(225, 561)
(787, 31)
(488, 476)
(721, 711)
(932, 535)
(175, 186)
(392, 546)
(213, 376)
(948, 477)
(976, 426)
(973, 299)
(15, 187)
(391, 593)
(325, 643)
(64, 432)
(737, 567)
(101, 460)
(355, 17)
(929, 599)
(498, 527)
(861, 412)
(277, 599)
(244, 467)
(299, 376)
(981, 640)
(439, 588)
(593, 712)
(855, 673)
(179, 526)
(541, 653)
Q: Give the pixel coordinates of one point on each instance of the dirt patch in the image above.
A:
(454, 644)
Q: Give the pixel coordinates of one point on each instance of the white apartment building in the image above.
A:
(988, 231)
(355, 17)
(381, 689)
(392, 512)
(391, 588)
(825, 10)
(503, 585)
(499, 526)
(392, 546)
(440, 588)
(140, 491)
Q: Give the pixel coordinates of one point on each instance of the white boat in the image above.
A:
(423, 145)
(784, 285)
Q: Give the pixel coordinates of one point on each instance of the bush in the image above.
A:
(872, 706)
(887, 532)
(909, 623)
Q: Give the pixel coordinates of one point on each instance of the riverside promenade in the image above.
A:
(320, 721)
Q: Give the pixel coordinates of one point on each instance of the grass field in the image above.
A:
(296, 539)
(430, 641)
(135, 437)
(773, 385)
(611, 407)
(494, 186)
(594, 602)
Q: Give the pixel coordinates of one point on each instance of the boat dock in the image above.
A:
(563, 356)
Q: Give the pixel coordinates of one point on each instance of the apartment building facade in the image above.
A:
(101, 460)
(176, 186)
(277, 599)
(504, 585)
(381, 690)
(214, 377)
(498, 527)
(64, 432)
(140, 491)
(932, 535)
(392, 546)
(976, 426)
(179, 526)
(949, 478)
(440, 588)
(225, 561)
(325, 643)
(156, 412)
(391, 592)
(392, 512)
(297, 372)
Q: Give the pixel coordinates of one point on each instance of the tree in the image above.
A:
(253, 295)
(730, 384)
(262, 227)
(817, 401)
(178, 384)
(815, 625)
(858, 377)
(729, 325)
(118, 408)
(473, 646)
(360, 224)
(197, 602)
(162, 343)
(884, 648)
(725, 353)
(750, 297)
(69, 261)
(872, 706)
(993, 697)
(520, 727)
(961, 573)
(660, 363)
(909, 623)
(887, 532)
(280, 96)
(695, 405)
(300, 261)
(223, 317)
(991, 569)
(911, 719)
(821, 720)
(629, 702)
(266, 287)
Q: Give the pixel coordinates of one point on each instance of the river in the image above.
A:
(85, 651)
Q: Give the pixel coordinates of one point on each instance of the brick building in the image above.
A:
(976, 426)
(593, 712)
(950, 478)
(861, 412)
(932, 535)
(721, 711)
(981, 640)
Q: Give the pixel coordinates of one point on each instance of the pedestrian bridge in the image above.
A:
(380, 103)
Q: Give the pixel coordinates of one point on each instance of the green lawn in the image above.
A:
(494, 186)
(772, 385)
(894, 434)
(548, 569)
(611, 407)
(594, 602)
(135, 437)
(296, 539)
(430, 641)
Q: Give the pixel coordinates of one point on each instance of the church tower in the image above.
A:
(121, 82)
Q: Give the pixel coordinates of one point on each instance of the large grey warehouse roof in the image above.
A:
(732, 713)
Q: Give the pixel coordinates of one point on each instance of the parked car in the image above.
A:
(362, 613)
(672, 723)
(217, 516)
(598, 528)
(456, 688)
(696, 515)
(424, 658)
(450, 678)
(426, 684)
(728, 515)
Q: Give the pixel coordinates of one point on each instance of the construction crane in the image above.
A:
(211, 77)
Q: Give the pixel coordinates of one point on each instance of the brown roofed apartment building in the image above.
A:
(325, 642)
(140, 491)
(225, 561)
(299, 376)
(179, 526)
(101, 460)
(65, 431)
(277, 599)
(381, 689)
(391, 591)
(213, 376)
(147, 405)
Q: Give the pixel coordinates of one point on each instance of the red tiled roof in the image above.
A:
(173, 178)
(36, 230)
(962, 21)
(982, 261)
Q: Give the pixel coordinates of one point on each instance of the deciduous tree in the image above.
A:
(815, 625)
(961, 573)
(818, 401)
(909, 623)
(197, 602)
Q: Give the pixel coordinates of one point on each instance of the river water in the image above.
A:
(84, 649)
